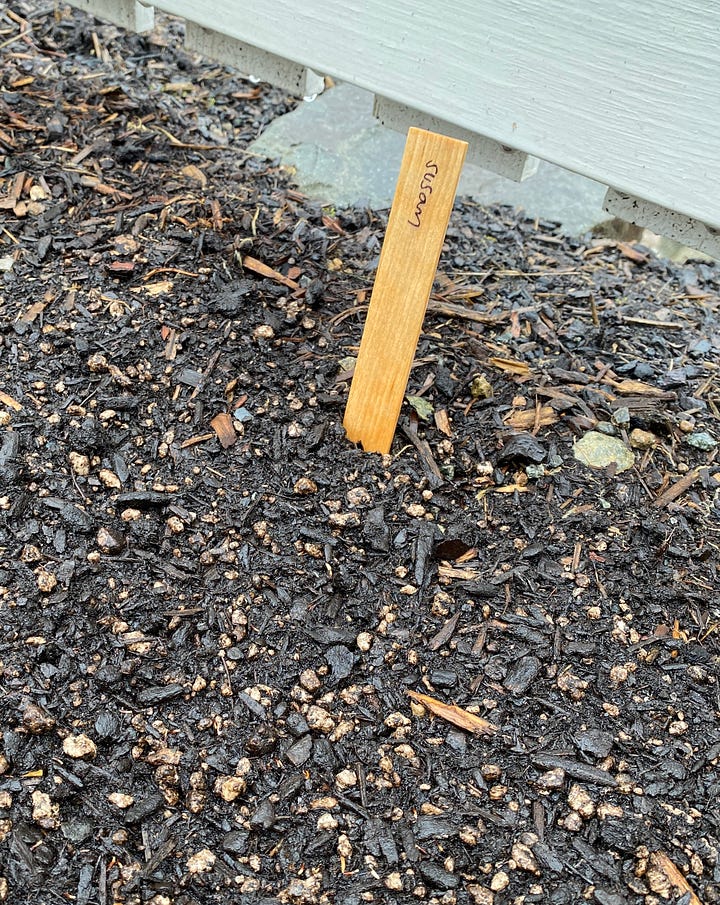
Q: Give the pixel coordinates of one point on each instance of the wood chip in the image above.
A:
(223, 426)
(445, 633)
(264, 271)
(448, 309)
(678, 488)
(193, 441)
(632, 253)
(511, 365)
(634, 387)
(454, 714)
(195, 174)
(531, 418)
(442, 422)
(10, 402)
(663, 863)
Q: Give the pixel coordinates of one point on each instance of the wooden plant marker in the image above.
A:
(409, 258)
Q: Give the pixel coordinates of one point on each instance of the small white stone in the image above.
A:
(46, 581)
(415, 510)
(310, 680)
(580, 801)
(344, 846)
(573, 822)
(229, 787)
(264, 331)
(344, 519)
(45, 811)
(304, 486)
(522, 855)
(481, 895)
(358, 496)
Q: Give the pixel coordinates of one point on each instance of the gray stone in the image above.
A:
(701, 440)
(598, 451)
(595, 742)
(298, 753)
(342, 156)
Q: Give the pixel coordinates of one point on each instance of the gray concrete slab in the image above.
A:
(342, 156)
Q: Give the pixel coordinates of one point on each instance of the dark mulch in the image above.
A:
(206, 649)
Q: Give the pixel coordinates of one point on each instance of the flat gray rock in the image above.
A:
(342, 156)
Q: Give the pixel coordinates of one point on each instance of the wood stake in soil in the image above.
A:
(415, 234)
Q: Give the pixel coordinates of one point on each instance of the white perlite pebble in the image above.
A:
(319, 719)
(79, 746)
(346, 779)
(120, 800)
(201, 861)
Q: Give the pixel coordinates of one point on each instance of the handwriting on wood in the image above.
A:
(419, 217)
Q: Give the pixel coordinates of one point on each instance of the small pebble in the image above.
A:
(36, 720)
(109, 479)
(79, 463)
(45, 811)
(264, 331)
(242, 415)
(701, 440)
(580, 801)
(110, 541)
(552, 779)
(640, 439)
(346, 779)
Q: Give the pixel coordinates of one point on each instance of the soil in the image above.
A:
(213, 608)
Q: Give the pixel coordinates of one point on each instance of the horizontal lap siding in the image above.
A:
(625, 93)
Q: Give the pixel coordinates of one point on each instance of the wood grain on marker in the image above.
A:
(414, 238)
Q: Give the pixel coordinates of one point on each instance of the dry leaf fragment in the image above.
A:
(661, 862)
(195, 173)
(454, 714)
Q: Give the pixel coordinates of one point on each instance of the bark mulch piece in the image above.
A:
(240, 660)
